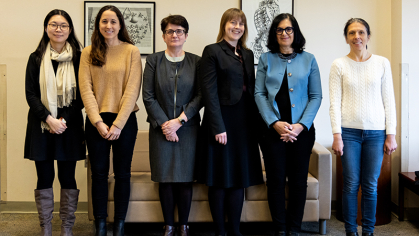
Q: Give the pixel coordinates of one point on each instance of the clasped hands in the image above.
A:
(169, 129)
(110, 134)
(287, 131)
(56, 126)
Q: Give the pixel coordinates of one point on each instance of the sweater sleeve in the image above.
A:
(86, 88)
(387, 93)
(132, 89)
(335, 93)
(32, 89)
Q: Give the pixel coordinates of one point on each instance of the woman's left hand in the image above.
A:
(292, 133)
(113, 133)
(390, 145)
(171, 126)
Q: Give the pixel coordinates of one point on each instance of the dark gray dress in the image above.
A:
(172, 161)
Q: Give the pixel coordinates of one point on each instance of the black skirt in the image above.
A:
(68, 146)
(238, 163)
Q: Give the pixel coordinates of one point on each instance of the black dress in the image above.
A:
(236, 164)
(68, 146)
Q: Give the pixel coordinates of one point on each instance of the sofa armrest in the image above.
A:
(321, 168)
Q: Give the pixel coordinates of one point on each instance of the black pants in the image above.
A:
(287, 160)
(46, 174)
(99, 151)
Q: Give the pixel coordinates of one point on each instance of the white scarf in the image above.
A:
(57, 90)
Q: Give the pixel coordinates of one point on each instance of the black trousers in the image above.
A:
(99, 152)
(287, 160)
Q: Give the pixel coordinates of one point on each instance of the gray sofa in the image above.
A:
(145, 205)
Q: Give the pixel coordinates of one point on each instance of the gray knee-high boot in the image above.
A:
(44, 199)
(68, 205)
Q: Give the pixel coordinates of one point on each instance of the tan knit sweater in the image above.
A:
(114, 87)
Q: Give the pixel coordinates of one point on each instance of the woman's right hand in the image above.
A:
(337, 146)
(172, 137)
(282, 127)
(56, 126)
(221, 138)
(102, 128)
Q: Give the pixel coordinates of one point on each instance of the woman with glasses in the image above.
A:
(229, 140)
(363, 117)
(55, 122)
(110, 81)
(172, 98)
(288, 94)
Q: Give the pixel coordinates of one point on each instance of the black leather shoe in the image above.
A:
(352, 234)
(118, 227)
(293, 234)
(280, 233)
(100, 226)
(367, 234)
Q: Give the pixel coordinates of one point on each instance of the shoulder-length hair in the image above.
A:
(72, 39)
(99, 46)
(230, 14)
(299, 40)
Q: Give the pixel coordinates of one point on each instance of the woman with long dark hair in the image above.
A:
(110, 81)
(363, 117)
(55, 122)
(288, 94)
(229, 139)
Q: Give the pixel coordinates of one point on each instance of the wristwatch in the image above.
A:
(182, 121)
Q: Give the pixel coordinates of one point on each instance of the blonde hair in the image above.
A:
(233, 13)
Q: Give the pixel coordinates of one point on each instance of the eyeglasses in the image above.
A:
(62, 27)
(288, 30)
(179, 32)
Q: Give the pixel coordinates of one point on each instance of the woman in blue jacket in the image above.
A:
(288, 94)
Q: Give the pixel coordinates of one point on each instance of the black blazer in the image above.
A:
(221, 77)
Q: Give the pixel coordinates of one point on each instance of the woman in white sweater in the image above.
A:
(363, 117)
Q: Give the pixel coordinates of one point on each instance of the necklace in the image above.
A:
(288, 58)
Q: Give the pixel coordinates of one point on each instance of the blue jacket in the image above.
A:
(304, 87)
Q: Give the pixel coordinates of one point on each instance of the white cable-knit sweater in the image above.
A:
(361, 95)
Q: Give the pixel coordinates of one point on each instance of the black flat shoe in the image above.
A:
(293, 234)
(280, 233)
(100, 226)
(352, 234)
(367, 234)
(118, 227)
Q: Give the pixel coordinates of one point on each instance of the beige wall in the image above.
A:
(321, 21)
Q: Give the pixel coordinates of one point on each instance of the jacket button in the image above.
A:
(290, 74)
(178, 91)
(291, 89)
(293, 105)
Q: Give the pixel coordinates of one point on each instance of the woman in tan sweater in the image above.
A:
(110, 81)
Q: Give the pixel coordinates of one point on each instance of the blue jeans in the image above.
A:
(361, 161)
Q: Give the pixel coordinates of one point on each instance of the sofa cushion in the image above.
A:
(259, 192)
(142, 188)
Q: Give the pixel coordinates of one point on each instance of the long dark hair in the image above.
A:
(299, 40)
(99, 46)
(72, 39)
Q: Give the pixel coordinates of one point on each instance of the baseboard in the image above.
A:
(30, 207)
